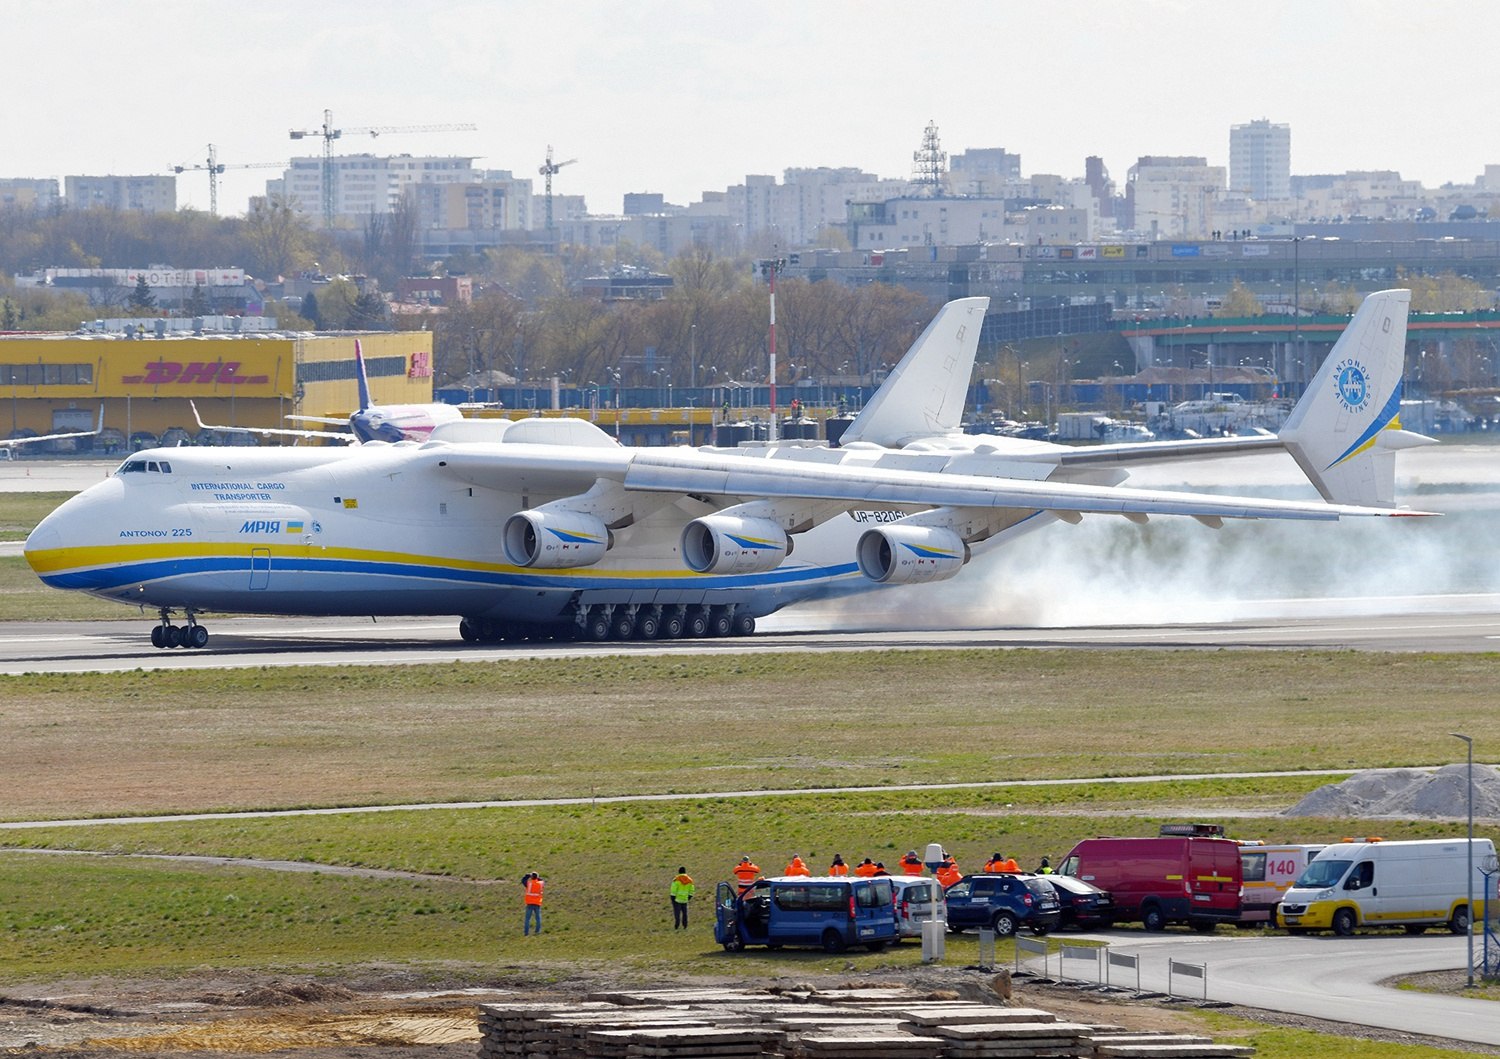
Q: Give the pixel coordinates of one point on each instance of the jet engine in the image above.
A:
(733, 544)
(909, 555)
(554, 540)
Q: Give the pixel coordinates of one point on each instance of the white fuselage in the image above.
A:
(384, 529)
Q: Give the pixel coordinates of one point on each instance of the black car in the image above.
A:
(1082, 904)
(1004, 903)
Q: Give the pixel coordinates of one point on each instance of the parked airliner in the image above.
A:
(370, 422)
(548, 527)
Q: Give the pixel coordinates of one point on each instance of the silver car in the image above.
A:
(917, 899)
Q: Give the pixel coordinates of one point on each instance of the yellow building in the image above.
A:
(58, 383)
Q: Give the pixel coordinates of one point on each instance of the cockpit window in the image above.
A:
(145, 467)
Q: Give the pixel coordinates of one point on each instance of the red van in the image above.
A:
(1173, 878)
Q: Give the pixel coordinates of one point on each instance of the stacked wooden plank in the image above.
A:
(886, 1024)
(1165, 1046)
(682, 1042)
(1003, 1040)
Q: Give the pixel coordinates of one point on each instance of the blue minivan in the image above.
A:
(832, 913)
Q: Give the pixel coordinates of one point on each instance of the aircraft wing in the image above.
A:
(735, 479)
(10, 443)
(856, 486)
(285, 432)
(330, 420)
(1139, 453)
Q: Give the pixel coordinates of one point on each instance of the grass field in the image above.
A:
(167, 742)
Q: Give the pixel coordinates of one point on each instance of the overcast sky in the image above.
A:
(679, 97)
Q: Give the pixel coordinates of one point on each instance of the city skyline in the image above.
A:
(692, 98)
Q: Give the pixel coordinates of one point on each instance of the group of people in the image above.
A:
(947, 872)
(682, 888)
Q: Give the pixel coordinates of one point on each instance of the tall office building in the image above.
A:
(1260, 160)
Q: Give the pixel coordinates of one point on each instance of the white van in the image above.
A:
(1269, 871)
(1415, 885)
(917, 899)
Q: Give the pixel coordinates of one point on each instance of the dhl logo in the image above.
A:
(197, 372)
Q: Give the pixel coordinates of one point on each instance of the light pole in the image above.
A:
(1469, 742)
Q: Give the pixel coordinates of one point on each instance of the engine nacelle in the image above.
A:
(909, 555)
(732, 544)
(554, 540)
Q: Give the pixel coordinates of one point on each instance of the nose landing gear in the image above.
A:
(168, 635)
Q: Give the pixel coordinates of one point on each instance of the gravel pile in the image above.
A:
(1440, 794)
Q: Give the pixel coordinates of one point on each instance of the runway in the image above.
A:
(1429, 624)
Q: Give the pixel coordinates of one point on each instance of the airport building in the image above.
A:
(57, 383)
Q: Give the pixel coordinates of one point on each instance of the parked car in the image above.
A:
(833, 913)
(1082, 904)
(917, 899)
(1003, 902)
(1185, 875)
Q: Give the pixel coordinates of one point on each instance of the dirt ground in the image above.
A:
(395, 1015)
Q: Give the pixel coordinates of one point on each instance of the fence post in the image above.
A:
(1034, 948)
(1121, 959)
(1077, 952)
(1191, 970)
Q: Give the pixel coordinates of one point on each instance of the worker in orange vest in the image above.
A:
(796, 866)
(911, 864)
(948, 873)
(746, 871)
(998, 863)
(838, 867)
(532, 885)
(865, 868)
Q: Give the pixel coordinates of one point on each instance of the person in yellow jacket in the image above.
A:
(682, 891)
(532, 885)
(797, 866)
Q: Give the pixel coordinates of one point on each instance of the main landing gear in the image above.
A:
(168, 635)
(608, 621)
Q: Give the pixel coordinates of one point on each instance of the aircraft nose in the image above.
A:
(44, 538)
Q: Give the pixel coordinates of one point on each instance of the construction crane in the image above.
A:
(216, 168)
(548, 168)
(329, 134)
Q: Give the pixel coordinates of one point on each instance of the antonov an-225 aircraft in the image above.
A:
(551, 528)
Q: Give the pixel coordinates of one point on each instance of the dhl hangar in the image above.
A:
(58, 383)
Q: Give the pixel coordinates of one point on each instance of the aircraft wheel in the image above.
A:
(720, 623)
(744, 625)
(622, 625)
(172, 636)
(195, 636)
(672, 624)
(158, 636)
(467, 632)
(697, 623)
(647, 624)
(596, 627)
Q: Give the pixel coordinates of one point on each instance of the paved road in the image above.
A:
(1462, 624)
(1322, 977)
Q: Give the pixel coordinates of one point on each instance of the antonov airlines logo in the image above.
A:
(194, 373)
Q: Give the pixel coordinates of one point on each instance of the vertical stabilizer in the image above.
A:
(1345, 431)
(924, 394)
(364, 380)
